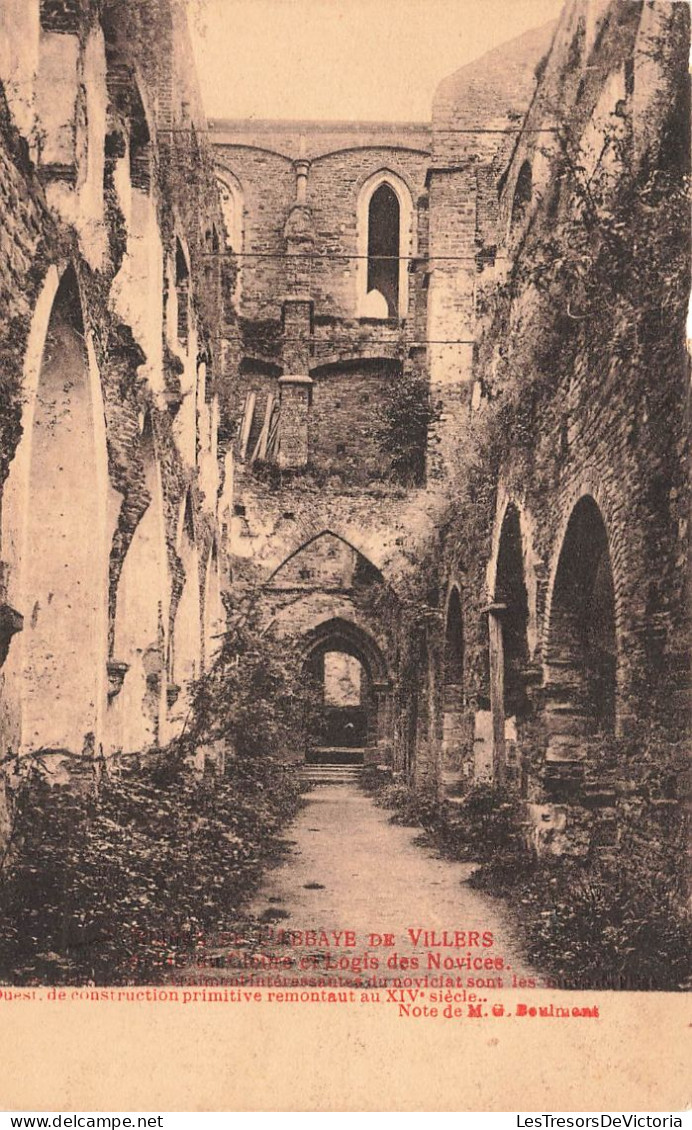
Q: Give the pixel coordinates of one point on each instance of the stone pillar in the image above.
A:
(295, 386)
(299, 235)
(454, 737)
(296, 397)
(302, 168)
(497, 689)
(482, 745)
(451, 320)
(381, 693)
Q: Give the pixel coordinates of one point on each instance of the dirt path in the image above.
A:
(349, 870)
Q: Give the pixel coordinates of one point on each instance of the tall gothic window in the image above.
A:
(384, 221)
(385, 214)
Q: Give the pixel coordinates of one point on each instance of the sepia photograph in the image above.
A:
(345, 609)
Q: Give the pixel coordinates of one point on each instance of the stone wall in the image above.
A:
(304, 340)
(112, 279)
(299, 185)
(577, 422)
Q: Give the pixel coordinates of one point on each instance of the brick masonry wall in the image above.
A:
(346, 410)
(27, 239)
(268, 185)
(352, 361)
(333, 189)
(267, 180)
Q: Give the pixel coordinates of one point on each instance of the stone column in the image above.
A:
(381, 694)
(295, 391)
(497, 688)
(302, 168)
(453, 735)
(295, 386)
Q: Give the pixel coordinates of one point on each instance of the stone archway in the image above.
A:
(61, 568)
(581, 646)
(348, 710)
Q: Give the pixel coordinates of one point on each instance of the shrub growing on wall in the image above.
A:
(402, 434)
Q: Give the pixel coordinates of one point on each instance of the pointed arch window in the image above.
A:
(384, 222)
(232, 211)
(231, 200)
(385, 213)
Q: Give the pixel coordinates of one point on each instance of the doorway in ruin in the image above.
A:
(581, 652)
(509, 650)
(455, 739)
(346, 690)
(64, 569)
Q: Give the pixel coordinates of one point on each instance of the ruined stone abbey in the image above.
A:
(417, 390)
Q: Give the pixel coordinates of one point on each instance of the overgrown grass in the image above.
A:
(121, 883)
(481, 827)
(615, 918)
(619, 922)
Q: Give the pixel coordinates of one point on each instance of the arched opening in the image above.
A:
(63, 561)
(139, 642)
(523, 192)
(127, 117)
(206, 437)
(385, 216)
(455, 738)
(384, 222)
(509, 650)
(344, 675)
(140, 143)
(231, 200)
(232, 212)
(340, 725)
(510, 591)
(581, 653)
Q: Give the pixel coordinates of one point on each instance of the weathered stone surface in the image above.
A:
(99, 478)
